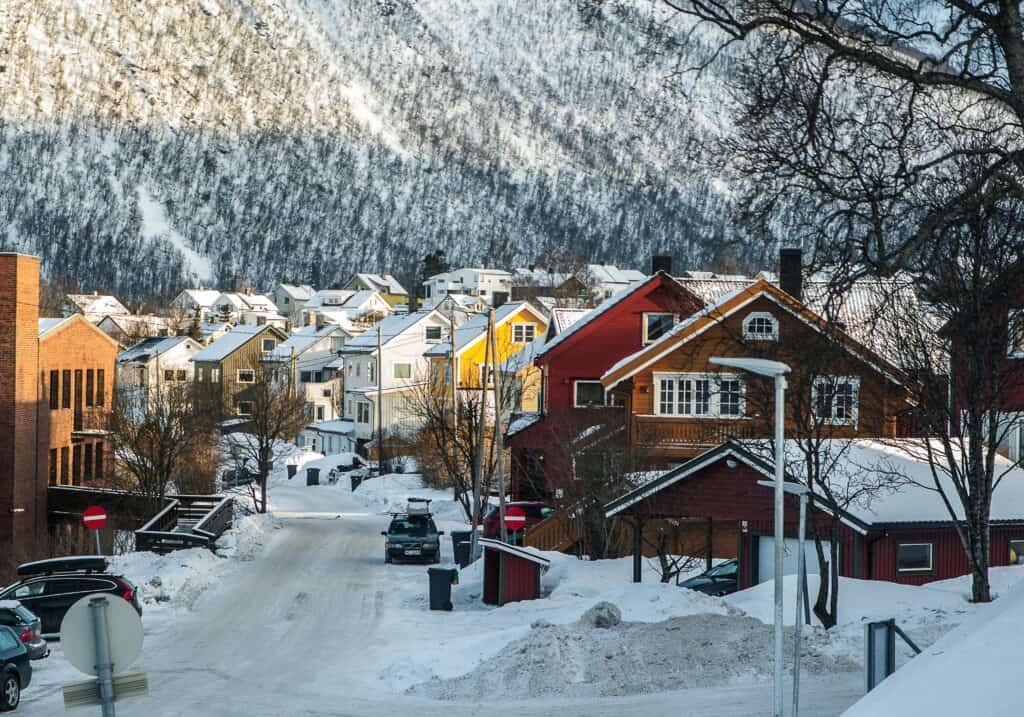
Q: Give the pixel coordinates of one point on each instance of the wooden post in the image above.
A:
(710, 541)
(638, 552)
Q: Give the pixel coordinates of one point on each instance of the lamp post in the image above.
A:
(777, 371)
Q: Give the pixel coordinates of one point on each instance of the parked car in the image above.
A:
(29, 627)
(413, 535)
(535, 512)
(15, 669)
(50, 587)
(720, 580)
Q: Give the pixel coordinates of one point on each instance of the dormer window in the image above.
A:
(761, 326)
(656, 326)
(433, 334)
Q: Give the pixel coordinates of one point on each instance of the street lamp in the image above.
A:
(801, 588)
(776, 371)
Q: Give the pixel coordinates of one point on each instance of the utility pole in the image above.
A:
(499, 443)
(478, 455)
(455, 395)
(380, 405)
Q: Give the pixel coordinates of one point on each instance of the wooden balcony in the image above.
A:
(681, 435)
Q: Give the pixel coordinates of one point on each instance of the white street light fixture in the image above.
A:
(776, 371)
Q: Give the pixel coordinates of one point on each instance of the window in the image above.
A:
(913, 557)
(65, 395)
(371, 370)
(700, 395)
(1015, 333)
(337, 343)
(99, 461)
(485, 376)
(350, 370)
(761, 326)
(657, 325)
(53, 466)
(76, 465)
(243, 408)
(269, 345)
(306, 376)
(54, 390)
(588, 394)
(834, 399)
(319, 413)
(362, 412)
(215, 375)
(181, 375)
(403, 370)
(246, 375)
(1017, 552)
(260, 321)
(101, 387)
(327, 393)
(433, 334)
(523, 333)
(7, 640)
(90, 381)
(26, 591)
(64, 475)
(78, 389)
(359, 367)
(88, 463)
(168, 374)
(348, 407)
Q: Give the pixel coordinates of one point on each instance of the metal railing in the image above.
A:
(187, 521)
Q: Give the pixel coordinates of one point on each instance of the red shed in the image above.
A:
(511, 573)
(901, 534)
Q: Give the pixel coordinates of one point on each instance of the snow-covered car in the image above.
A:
(28, 627)
(720, 580)
(413, 535)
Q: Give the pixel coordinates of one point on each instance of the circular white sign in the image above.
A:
(124, 630)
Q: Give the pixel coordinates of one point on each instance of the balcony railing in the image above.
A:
(661, 432)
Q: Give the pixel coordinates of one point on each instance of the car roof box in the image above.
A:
(418, 506)
(92, 563)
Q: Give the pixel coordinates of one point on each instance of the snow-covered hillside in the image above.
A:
(301, 139)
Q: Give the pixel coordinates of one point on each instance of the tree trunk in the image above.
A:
(821, 601)
(980, 545)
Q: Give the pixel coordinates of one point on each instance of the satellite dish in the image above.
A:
(124, 628)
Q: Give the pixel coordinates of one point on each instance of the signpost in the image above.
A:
(101, 635)
(515, 518)
(95, 518)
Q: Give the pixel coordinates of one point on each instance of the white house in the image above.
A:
(384, 283)
(607, 279)
(342, 307)
(191, 299)
(313, 357)
(93, 306)
(248, 309)
(330, 438)
(492, 285)
(157, 362)
(291, 299)
(404, 339)
(127, 330)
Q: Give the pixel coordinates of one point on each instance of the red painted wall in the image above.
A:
(522, 579)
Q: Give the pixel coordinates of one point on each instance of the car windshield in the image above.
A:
(725, 570)
(414, 526)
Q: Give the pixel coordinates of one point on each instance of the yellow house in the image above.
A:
(516, 326)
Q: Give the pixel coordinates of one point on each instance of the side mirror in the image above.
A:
(383, 532)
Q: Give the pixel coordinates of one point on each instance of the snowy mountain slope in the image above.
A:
(148, 144)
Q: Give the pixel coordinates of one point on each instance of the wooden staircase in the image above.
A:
(557, 532)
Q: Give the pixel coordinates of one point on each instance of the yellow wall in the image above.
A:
(471, 358)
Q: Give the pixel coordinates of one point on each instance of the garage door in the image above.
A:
(791, 547)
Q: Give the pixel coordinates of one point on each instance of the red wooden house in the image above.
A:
(903, 534)
(572, 398)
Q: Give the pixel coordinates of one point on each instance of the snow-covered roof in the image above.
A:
(48, 324)
(475, 328)
(98, 304)
(611, 274)
(204, 298)
(301, 340)
(382, 282)
(522, 423)
(146, 349)
(711, 287)
(538, 277)
(252, 302)
(230, 342)
(524, 356)
(330, 297)
(336, 426)
(564, 318)
(531, 554)
(391, 327)
(300, 292)
(132, 323)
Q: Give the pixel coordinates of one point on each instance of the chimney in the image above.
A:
(791, 272)
(661, 262)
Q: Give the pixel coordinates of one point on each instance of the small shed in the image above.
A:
(511, 573)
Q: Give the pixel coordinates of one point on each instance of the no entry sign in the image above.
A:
(94, 517)
(515, 518)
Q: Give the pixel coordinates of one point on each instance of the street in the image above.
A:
(299, 631)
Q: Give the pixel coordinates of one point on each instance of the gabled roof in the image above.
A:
(235, 339)
(248, 302)
(153, 346)
(611, 274)
(390, 328)
(103, 304)
(336, 297)
(382, 282)
(301, 340)
(202, 297)
(609, 305)
(517, 551)
(301, 292)
(563, 318)
(712, 287)
(476, 328)
(48, 324)
(714, 314)
(49, 327)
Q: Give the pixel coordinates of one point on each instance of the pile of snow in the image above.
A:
(968, 672)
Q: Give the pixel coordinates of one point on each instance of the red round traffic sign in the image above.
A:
(515, 518)
(94, 517)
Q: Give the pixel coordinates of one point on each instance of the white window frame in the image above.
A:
(273, 345)
(371, 370)
(1015, 324)
(239, 372)
(575, 394)
(238, 408)
(832, 420)
(521, 327)
(648, 314)
(394, 370)
(428, 339)
(757, 315)
(360, 407)
(483, 373)
(931, 559)
(215, 375)
(714, 395)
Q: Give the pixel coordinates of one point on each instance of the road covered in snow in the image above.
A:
(303, 617)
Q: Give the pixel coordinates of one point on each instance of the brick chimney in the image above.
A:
(791, 280)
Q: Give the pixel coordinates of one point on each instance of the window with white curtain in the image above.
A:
(700, 395)
(836, 399)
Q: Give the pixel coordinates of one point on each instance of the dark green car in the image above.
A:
(412, 537)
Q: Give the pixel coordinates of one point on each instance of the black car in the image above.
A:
(50, 587)
(29, 627)
(17, 669)
(413, 535)
(720, 580)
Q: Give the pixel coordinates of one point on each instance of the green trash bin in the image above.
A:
(292, 470)
(312, 476)
(462, 547)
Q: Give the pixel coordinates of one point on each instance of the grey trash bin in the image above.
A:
(356, 479)
(292, 470)
(441, 588)
(462, 547)
(312, 476)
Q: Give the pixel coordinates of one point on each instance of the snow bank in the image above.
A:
(971, 671)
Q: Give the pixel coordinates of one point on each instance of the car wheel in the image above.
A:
(387, 557)
(10, 693)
